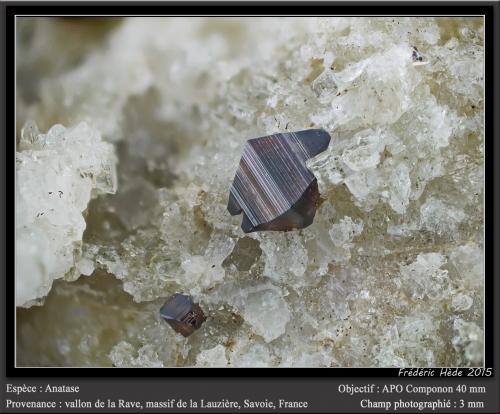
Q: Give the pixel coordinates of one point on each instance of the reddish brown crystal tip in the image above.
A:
(273, 187)
(182, 314)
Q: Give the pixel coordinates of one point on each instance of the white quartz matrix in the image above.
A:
(390, 274)
(56, 175)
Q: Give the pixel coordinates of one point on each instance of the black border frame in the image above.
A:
(248, 9)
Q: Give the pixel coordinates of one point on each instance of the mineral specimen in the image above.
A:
(182, 314)
(391, 271)
(273, 186)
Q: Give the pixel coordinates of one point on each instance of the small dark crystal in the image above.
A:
(416, 56)
(273, 187)
(182, 314)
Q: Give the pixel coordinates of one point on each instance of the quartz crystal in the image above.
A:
(273, 186)
(57, 174)
(389, 273)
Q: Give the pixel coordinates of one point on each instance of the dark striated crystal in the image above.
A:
(273, 187)
(182, 314)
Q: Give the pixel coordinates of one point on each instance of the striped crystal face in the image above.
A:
(176, 307)
(182, 314)
(272, 180)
